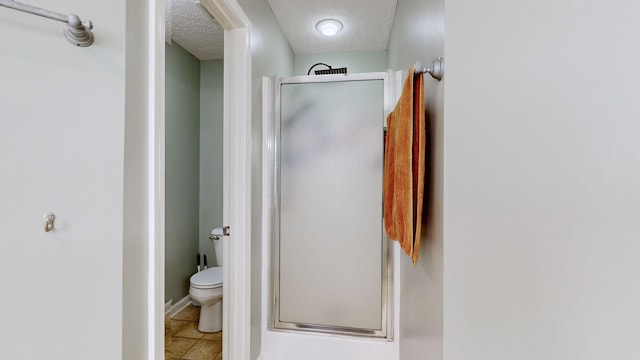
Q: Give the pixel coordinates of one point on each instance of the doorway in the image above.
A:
(236, 183)
(193, 181)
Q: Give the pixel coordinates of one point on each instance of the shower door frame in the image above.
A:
(272, 212)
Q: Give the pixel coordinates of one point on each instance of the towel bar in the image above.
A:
(436, 70)
(78, 32)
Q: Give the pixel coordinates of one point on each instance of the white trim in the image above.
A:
(396, 82)
(155, 293)
(237, 169)
(167, 307)
(180, 305)
(227, 13)
(268, 143)
(237, 247)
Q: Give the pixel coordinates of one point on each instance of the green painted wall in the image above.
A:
(211, 147)
(182, 117)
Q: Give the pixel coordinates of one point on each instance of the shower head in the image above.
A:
(342, 70)
(329, 71)
(78, 32)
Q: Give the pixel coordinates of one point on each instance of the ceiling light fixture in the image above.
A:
(329, 27)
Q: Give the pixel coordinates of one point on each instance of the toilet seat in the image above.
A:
(210, 278)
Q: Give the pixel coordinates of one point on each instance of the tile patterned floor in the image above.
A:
(182, 340)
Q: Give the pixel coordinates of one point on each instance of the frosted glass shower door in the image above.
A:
(330, 263)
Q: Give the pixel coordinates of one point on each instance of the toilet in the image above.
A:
(206, 288)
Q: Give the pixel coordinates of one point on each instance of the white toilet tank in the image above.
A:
(217, 245)
(216, 236)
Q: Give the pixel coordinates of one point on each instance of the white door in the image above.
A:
(61, 150)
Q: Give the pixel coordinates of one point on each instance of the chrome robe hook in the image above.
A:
(49, 218)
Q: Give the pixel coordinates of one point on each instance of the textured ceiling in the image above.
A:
(193, 28)
(367, 24)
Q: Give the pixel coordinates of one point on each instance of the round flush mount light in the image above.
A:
(329, 27)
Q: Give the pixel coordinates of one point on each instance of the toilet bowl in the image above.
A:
(206, 288)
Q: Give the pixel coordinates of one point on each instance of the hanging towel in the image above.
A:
(404, 167)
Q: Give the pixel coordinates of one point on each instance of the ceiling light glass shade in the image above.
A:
(329, 27)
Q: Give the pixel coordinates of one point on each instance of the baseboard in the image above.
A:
(167, 307)
(180, 305)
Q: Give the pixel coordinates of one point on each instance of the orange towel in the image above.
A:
(404, 167)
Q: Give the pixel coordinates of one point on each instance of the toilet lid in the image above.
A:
(209, 277)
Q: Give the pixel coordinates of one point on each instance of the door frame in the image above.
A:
(236, 343)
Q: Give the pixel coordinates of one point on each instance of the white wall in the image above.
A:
(418, 35)
(541, 180)
(271, 55)
(62, 150)
(355, 62)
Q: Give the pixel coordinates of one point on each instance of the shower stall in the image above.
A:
(329, 261)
